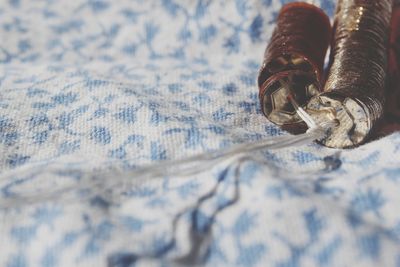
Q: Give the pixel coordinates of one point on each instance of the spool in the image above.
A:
(293, 63)
(354, 90)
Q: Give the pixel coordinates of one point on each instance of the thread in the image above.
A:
(200, 237)
(295, 55)
(115, 182)
(358, 62)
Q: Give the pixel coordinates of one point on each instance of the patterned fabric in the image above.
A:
(95, 88)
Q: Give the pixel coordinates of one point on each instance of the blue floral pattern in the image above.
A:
(100, 86)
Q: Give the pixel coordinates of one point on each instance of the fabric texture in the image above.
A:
(96, 88)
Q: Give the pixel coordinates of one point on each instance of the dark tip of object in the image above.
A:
(332, 163)
(121, 260)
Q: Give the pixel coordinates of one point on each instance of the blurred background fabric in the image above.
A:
(104, 87)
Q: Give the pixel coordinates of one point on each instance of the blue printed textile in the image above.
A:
(93, 89)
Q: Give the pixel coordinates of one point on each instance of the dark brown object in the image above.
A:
(354, 91)
(293, 63)
(391, 121)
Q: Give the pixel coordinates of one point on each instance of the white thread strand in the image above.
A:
(174, 168)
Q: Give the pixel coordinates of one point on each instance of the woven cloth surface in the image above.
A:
(103, 87)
